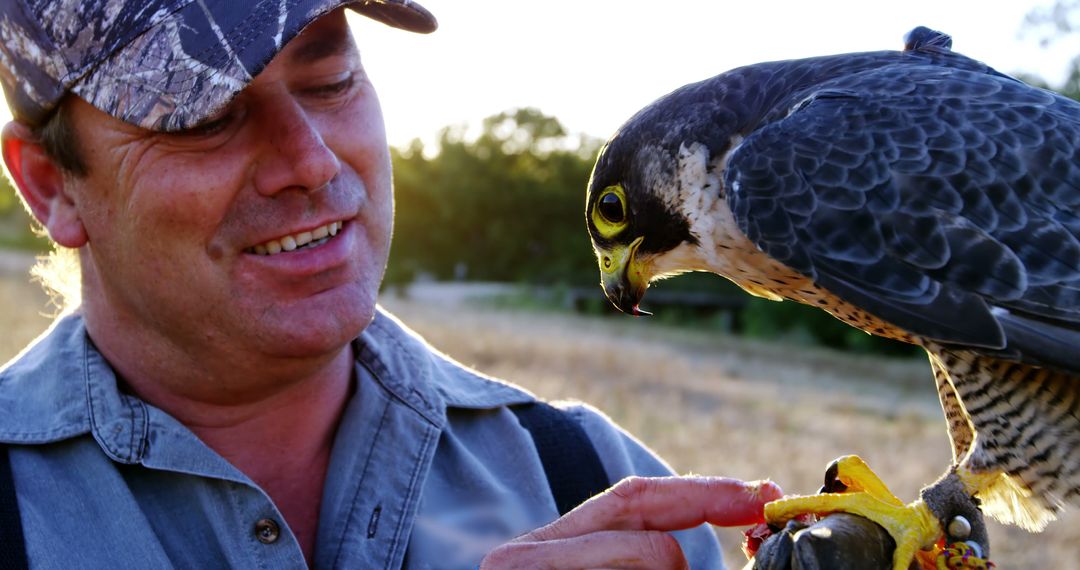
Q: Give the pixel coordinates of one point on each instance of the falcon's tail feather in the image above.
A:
(1040, 341)
(1006, 499)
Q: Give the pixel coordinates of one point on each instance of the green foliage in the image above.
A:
(506, 206)
(8, 199)
(810, 325)
(16, 225)
(1071, 87)
(1052, 23)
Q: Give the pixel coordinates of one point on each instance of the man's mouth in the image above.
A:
(310, 238)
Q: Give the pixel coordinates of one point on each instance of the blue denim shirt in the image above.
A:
(429, 468)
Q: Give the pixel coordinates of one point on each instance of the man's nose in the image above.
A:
(294, 154)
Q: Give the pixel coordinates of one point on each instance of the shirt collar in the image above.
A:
(43, 393)
(62, 387)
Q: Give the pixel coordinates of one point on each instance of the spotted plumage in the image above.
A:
(918, 195)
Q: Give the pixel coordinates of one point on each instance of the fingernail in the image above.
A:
(765, 489)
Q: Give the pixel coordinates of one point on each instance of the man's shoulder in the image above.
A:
(41, 398)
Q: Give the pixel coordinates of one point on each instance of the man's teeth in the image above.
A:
(317, 236)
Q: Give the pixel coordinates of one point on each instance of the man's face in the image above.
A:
(181, 226)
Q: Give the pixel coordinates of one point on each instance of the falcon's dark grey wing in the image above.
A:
(945, 201)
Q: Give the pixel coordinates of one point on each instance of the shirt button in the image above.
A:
(267, 531)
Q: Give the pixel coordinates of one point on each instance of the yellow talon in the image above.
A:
(912, 526)
(857, 476)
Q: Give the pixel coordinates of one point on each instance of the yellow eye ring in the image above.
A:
(609, 212)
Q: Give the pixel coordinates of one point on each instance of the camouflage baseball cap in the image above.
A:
(160, 64)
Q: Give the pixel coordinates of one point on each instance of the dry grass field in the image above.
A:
(717, 405)
(708, 403)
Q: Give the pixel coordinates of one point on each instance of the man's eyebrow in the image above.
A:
(321, 46)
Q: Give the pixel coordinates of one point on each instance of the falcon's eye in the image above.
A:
(609, 214)
(611, 207)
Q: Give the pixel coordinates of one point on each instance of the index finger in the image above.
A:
(665, 503)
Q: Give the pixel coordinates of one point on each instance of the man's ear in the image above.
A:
(41, 183)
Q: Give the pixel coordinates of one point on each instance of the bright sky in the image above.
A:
(593, 63)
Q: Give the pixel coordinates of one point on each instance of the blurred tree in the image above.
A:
(1053, 23)
(16, 226)
(506, 206)
(8, 199)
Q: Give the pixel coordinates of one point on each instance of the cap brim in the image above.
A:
(403, 14)
(193, 62)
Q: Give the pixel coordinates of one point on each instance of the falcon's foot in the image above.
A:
(851, 487)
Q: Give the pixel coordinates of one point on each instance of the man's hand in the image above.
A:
(627, 526)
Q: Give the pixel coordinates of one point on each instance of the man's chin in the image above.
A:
(313, 329)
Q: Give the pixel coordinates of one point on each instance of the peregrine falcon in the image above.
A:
(917, 195)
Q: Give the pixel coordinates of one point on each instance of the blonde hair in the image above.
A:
(60, 273)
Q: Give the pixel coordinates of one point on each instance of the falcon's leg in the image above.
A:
(912, 526)
(1016, 433)
(961, 432)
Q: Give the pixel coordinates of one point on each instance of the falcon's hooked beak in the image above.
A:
(623, 277)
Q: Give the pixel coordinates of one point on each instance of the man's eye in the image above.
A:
(208, 128)
(333, 89)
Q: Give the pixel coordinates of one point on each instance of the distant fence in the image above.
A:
(579, 299)
(709, 302)
(702, 304)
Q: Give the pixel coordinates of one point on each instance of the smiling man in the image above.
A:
(227, 393)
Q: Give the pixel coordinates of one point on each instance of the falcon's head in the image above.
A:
(632, 220)
(652, 199)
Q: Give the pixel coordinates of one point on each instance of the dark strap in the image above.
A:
(570, 461)
(12, 546)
